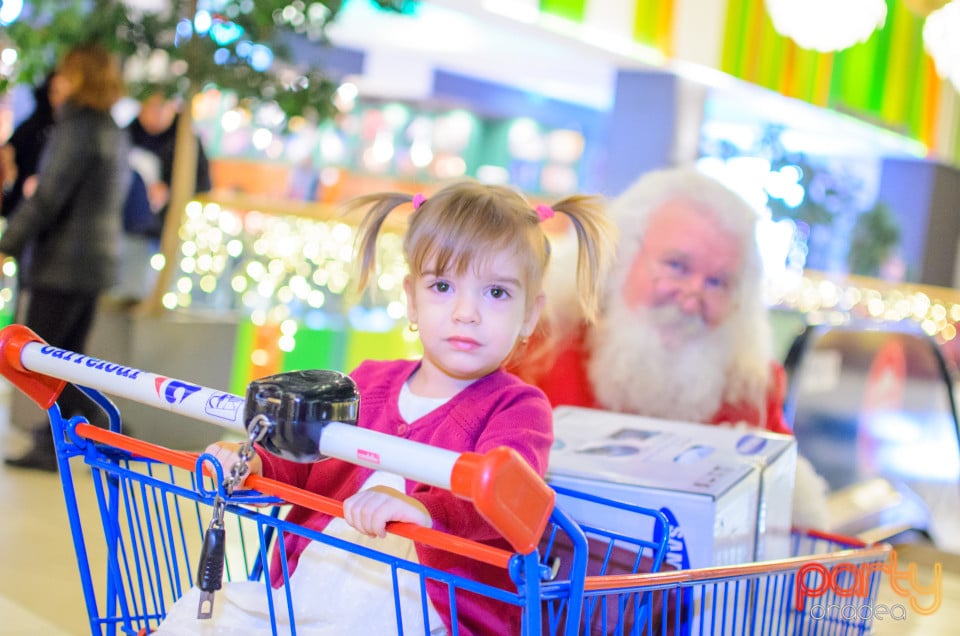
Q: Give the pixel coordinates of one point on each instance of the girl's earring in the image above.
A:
(413, 327)
(524, 340)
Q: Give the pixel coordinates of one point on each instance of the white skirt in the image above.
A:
(333, 591)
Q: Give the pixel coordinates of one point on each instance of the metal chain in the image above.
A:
(255, 432)
(210, 571)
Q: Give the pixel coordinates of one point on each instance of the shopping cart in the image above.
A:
(138, 552)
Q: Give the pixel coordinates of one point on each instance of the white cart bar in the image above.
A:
(502, 486)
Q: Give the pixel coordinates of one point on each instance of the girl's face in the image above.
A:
(468, 323)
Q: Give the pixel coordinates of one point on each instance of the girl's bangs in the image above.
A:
(455, 249)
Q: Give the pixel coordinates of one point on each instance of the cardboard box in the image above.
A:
(710, 501)
(664, 463)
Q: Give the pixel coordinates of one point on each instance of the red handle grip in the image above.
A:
(507, 493)
(42, 389)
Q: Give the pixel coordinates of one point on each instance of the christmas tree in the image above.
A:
(181, 46)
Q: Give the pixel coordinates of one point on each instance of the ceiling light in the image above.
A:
(827, 25)
(940, 41)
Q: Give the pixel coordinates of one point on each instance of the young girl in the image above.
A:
(477, 256)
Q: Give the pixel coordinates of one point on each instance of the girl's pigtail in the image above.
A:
(597, 240)
(369, 230)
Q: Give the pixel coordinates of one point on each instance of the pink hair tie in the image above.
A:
(544, 212)
(418, 200)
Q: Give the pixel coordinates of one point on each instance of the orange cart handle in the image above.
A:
(502, 486)
(507, 493)
(42, 389)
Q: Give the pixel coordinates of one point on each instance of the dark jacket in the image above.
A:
(163, 146)
(66, 236)
(28, 141)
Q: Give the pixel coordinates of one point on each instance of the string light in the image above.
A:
(274, 265)
(845, 301)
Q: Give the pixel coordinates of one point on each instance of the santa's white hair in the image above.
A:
(728, 363)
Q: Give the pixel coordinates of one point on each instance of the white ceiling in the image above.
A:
(461, 36)
(479, 44)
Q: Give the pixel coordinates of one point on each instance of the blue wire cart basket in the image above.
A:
(137, 552)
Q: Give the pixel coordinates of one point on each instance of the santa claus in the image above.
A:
(683, 332)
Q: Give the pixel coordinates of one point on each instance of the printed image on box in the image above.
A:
(685, 443)
(712, 498)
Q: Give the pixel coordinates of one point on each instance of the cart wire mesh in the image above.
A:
(154, 504)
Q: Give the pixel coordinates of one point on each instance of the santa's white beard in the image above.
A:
(632, 371)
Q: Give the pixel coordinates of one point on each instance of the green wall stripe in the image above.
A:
(836, 78)
(317, 349)
(645, 23)
(917, 81)
(858, 62)
(242, 348)
(569, 9)
(878, 71)
(805, 74)
(895, 106)
(734, 40)
(956, 146)
(772, 56)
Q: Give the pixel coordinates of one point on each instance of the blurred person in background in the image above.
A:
(8, 172)
(153, 136)
(29, 138)
(65, 234)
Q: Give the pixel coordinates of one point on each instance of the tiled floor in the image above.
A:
(39, 586)
(946, 619)
(40, 589)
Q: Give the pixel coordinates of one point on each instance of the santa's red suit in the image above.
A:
(567, 382)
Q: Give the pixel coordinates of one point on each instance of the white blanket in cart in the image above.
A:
(334, 592)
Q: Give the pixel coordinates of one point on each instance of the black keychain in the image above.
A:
(286, 414)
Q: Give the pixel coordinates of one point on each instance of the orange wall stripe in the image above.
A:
(931, 110)
(788, 74)
(665, 28)
(265, 339)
